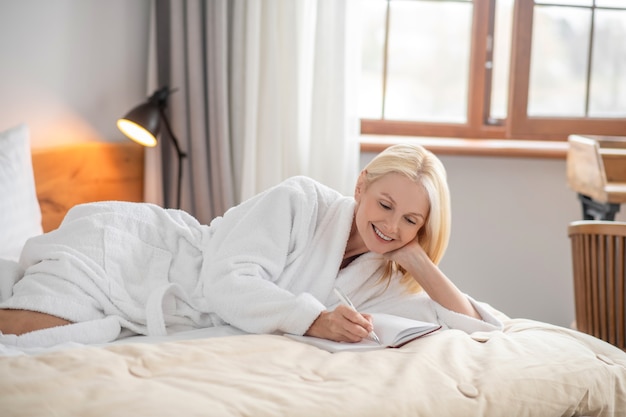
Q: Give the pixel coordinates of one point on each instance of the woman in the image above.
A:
(268, 265)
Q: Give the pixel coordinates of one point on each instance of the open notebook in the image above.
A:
(393, 331)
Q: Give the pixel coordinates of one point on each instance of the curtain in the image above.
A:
(190, 56)
(265, 90)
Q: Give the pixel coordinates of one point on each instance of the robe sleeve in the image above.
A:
(243, 273)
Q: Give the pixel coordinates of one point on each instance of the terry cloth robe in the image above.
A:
(268, 265)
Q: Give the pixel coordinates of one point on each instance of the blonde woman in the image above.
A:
(269, 265)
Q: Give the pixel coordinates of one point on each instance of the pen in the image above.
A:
(344, 299)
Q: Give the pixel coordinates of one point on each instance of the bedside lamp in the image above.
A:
(142, 124)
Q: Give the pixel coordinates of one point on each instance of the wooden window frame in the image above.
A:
(518, 125)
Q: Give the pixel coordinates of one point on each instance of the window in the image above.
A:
(522, 69)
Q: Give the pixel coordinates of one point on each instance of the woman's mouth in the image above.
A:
(381, 234)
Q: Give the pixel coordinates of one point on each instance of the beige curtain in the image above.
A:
(265, 91)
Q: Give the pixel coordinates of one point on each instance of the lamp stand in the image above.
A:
(141, 124)
(181, 155)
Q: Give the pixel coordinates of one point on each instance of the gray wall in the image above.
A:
(70, 68)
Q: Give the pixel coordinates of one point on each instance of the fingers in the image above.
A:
(342, 325)
(369, 318)
(404, 253)
(351, 324)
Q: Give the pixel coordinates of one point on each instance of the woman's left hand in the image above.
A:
(408, 256)
(414, 259)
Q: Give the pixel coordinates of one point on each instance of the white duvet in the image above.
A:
(530, 369)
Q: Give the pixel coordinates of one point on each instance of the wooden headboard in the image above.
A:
(84, 172)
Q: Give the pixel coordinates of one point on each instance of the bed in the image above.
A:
(529, 369)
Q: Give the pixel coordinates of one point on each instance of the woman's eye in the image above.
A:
(411, 221)
(385, 206)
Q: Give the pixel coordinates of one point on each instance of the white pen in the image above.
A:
(344, 299)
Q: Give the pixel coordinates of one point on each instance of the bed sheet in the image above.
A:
(530, 369)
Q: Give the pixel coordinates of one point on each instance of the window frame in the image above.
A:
(518, 125)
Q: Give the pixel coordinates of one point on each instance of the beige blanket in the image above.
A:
(530, 369)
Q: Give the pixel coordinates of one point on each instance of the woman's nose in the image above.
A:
(392, 224)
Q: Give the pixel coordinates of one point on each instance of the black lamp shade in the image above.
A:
(142, 123)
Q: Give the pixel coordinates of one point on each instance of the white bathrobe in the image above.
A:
(268, 265)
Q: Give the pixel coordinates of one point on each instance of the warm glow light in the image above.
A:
(136, 133)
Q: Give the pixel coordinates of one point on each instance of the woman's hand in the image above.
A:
(341, 325)
(415, 260)
(408, 256)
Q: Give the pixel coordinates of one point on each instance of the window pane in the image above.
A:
(558, 66)
(608, 82)
(501, 58)
(428, 67)
(567, 2)
(611, 3)
(372, 50)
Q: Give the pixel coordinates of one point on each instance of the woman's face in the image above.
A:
(390, 212)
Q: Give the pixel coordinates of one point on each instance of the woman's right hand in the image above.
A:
(341, 325)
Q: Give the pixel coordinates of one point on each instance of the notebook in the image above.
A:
(393, 332)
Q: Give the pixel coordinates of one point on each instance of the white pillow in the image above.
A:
(20, 215)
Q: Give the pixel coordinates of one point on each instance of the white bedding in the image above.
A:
(529, 369)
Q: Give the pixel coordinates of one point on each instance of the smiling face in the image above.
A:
(390, 212)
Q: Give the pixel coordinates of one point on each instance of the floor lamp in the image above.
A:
(142, 124)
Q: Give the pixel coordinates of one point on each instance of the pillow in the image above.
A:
(20, 215)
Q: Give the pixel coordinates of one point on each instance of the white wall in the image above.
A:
(509, 244)
(70, 68)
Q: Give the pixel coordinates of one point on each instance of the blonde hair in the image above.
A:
(422, 167)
